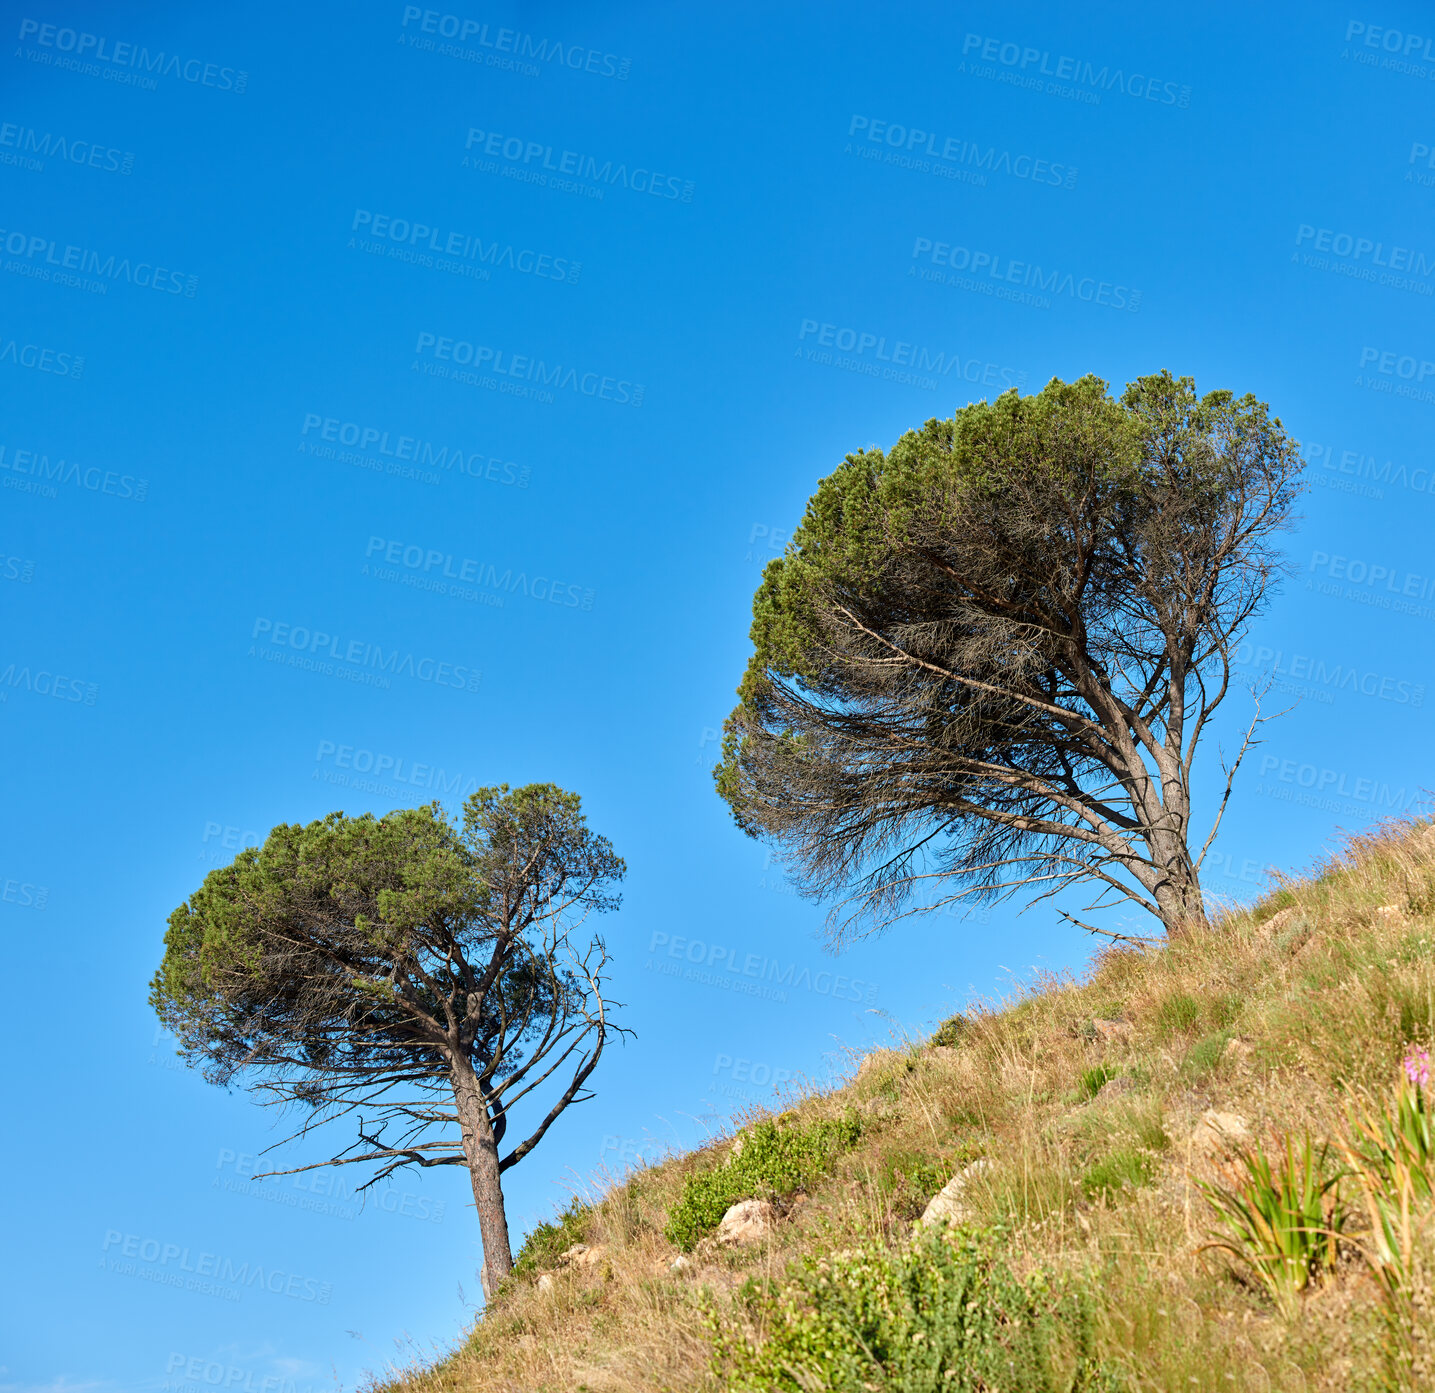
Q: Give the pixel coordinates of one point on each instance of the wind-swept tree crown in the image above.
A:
(353, 942)
(1005, 606)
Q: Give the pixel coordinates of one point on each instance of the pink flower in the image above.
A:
(1417, 1067)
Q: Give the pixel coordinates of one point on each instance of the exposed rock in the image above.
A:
(736, 1149)
(1113, 1030)
(680, 1264)
(748, 1221)
(1118, 1087)
(1390, 913)
(546, 1284)
(947, 1202)
(1289, 931)
(1238, 1051)
(584, 1255)
(944, 1051)
(1219, 1133)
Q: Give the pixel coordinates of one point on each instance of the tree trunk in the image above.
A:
(1178, 893)
(481, 1150)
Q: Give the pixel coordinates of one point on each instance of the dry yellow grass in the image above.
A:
(1314, 993)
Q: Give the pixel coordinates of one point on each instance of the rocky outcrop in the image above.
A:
(1218, 1134)
(948, 1204)
(584, 1256)
(748, 1221)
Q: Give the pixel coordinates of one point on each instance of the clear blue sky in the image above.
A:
(513, 339)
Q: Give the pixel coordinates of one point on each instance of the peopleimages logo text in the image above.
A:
(39, 251)
(321, 648)
(954, 150)
(1038, 62)
(1336, 783)
(1408, 585)
(97, 48)
(432, 778)
(762, 969)
(40, 358)
(1353, 246)
(215, 1266)
(199, 1371)
(1320, 673)
(1390, 40)
(441, 565)
(465, 246)
(394, 445)
(926, 365)
(522, 46)
(524, 367)
(44, 474)
(1362, 466)
(25, 140)
(536, 156)
(993, 267)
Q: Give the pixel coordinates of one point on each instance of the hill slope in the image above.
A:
(1086, 1116)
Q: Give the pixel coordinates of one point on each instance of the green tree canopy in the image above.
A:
(985, 660)
(418, 973)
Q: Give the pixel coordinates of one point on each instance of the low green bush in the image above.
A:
(1206, 1053)
(1128, 1168)
(542, 1247)
(1148, 1128)
(1177, 1014)
(777, 1158)
(1093, 1080)
(952, 1031)
(945, 1314)
(909, 1179)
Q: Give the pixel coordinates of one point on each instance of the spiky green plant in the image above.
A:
(1391, 1153)
(1284, 1222)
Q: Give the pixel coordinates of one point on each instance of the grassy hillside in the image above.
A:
(1076, 1258)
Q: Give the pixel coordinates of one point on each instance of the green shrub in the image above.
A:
(777, 1158)
(961, 1114)
(1205, 1054)
(1149, 1130)
(945, 1314)
(909, 1179)
(1093, 1080)
(952, 1031)
(542, 1247)
(1177, 1014)
(1415, 947)
(1128, 1168)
